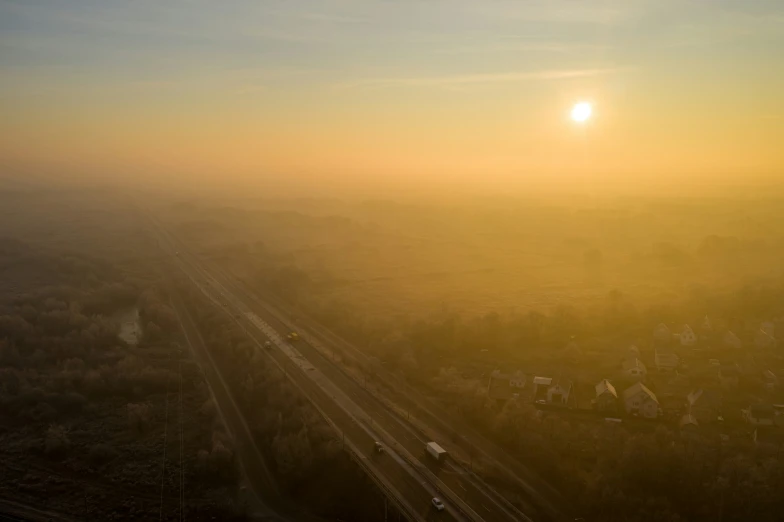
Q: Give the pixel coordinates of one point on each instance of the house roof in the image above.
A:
(762, 411)
(731, 338)
(605, 386)
(562, 382)
(706, 324)
(544, 381)
(633, 349)
(704, 398)
(687, 329)
(498, 374)
(729, 370)
(666, 359)
(639, 388)
(688, 420)
(630, 364)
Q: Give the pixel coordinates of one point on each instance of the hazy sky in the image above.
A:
(440, 90)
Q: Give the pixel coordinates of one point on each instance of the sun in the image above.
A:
(581, 112)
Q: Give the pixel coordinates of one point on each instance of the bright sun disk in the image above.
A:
(581, 112)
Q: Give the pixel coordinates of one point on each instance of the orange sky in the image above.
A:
(354, 90)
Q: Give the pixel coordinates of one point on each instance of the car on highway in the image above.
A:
(293, 337)
(378, 447)
(438, 504)
(267, 344)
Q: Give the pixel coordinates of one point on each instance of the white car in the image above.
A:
(437, 504)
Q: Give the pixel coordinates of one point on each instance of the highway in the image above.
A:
(404, 472)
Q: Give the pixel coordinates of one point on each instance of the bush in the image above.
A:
(101, 454)
(138, 418)
(56, 443)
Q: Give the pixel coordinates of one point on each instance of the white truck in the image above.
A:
(436, 451)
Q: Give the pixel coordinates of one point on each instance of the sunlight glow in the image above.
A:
(581, 112)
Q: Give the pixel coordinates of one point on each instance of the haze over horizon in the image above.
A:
(427, 94)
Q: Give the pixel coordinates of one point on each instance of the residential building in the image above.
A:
(687, 336)
(706, 329)
(560, 392)
(770, 380)
(764, 340)
(504, 386)
(639, 400)
(769, 327)
(688, 423)
(666, 361)
(732, 340)
(662, 333)
(705, 405)
(634, 369)
(760, 415)
(606, 400)
(541, 385)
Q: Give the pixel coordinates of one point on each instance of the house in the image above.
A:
(731, 340)
(687, 336)
(671, 406)
(769, 328)
(606, 400)
(666, 361)
(706, 328)
(688, 423)
(764, 340)
(504, 386)
(760, 415)
(729, 376)
(662, 333)
(705, 405)
(769, 380)
(559, 392)
(639, 400)
(678, 385)
(541, 384)
(633, 352)
(634, 369)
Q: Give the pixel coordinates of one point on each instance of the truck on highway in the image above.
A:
(436, 452)
(293, 337)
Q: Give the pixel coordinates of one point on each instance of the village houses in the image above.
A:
(606, 400)
(639, 400)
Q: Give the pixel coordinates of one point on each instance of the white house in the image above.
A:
(634, 369)
(769, 328)
(505, 385)
(760, 415)
(688, 338)
(639, 400)
(559, 392)
(662, 333)
(666, 361)
(764, 340)
(541, 385)
(732, 340)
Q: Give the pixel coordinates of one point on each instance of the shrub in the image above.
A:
(101, 454)
(56, 443)
(138, 417)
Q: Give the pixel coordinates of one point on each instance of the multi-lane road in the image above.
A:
(408, 477)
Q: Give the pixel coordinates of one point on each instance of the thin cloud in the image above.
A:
(478, 79)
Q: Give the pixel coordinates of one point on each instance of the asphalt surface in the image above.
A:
(342, 399)
(392, 474)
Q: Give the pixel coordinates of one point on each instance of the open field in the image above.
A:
(480, 256)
